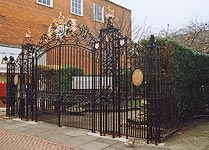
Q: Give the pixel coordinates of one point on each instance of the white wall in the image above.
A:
(9, 52)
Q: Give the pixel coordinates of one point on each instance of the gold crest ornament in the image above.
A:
(61, 26)
(109, 16)
(109, 13)
(137, 77)
(28, 36)
(16, 79)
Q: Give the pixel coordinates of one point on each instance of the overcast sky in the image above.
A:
(159, 13)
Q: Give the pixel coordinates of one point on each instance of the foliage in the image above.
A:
(136, 103)
(126, 79)
(62, 80)
(189, 74)
(188, 71)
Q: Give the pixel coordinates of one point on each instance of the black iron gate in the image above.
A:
(111, 56)
(64, 72)
(103, 84)
(11, 109)
(27, 84)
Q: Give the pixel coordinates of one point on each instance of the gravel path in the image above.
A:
(195, 136)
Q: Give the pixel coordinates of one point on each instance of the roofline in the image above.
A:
(10, 46)
(119, 5)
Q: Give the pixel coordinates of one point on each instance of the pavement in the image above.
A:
(16, 134)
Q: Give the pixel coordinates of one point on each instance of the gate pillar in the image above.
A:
(112, 49)
(27, 82)
(11, 88)
(153, 91)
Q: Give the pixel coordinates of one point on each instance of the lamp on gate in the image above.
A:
(4, 60)
(11, 59)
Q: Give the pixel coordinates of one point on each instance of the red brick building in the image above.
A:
(16, 16)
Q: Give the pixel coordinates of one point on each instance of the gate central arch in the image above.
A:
(64, 69)
(80, 79)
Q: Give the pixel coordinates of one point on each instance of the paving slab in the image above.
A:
(76, 133)
(65, 129)
(46, 126)
(34, 132)
(94, 146)
(21, 130)
(106, 141)
(16, 125)
(46, 134)
(81, 140)
(61, 138)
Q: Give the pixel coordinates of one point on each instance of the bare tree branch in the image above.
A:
(195, 35)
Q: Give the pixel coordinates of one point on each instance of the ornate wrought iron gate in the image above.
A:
(11, 89)
(27, 84)
(64, 71)
(103, 84)
(111, 56)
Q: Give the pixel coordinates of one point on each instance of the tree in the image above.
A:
(195, 35)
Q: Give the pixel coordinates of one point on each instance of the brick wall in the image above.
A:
(16, 16)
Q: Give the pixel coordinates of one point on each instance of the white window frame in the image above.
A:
(80, 8)
(95, 18)
(45, 4)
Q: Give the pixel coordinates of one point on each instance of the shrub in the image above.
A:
(63, 78)
(188, 70)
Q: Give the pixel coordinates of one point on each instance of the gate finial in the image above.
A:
(28, 36)
(60, 19)
(109, 14)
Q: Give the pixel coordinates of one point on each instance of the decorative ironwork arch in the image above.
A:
(65, 31)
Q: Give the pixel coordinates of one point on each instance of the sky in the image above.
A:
(157, 14)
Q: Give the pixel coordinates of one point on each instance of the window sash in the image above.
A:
(98, 12)
(46, 2)
(77, 7)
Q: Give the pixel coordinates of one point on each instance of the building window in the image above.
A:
(46, 2)
(98, 12)
(77, 7)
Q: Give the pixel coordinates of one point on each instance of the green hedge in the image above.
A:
(59, 79)
(63, 79)
(188, 70)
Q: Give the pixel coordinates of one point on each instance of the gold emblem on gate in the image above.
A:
(137, 77)
(61, 26)
(60, 31)
(16, 79)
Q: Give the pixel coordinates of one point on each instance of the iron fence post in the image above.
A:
(8, 91)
